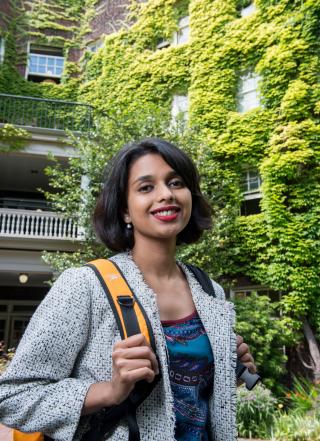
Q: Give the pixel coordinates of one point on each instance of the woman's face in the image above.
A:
(159, 203)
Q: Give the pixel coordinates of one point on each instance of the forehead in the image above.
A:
(149, 164)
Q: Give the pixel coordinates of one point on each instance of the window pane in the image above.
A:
(33, 59)
(183, 35)
(251, 181)
(248, 92)
(59, 62)
(254, 184)
(248, 10)
(18, 327)
(2, 329)
(179, 105)
(251, 206)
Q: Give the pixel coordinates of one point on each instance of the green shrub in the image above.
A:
(264, 333)
(294, 427)
(256, 412)
(303, 396)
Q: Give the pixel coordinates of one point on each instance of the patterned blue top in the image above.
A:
(191, 375)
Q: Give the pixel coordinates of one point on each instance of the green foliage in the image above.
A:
(302, 398)
(292, 427)
(266, 335)
(55, 23)
(256, 411)
(278, 247)
(12, 138)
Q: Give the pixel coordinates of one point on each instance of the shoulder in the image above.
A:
(219, 291)
(73, 289)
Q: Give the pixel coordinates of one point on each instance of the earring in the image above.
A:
(129, 226)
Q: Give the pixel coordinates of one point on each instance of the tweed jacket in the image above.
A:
(67, 347)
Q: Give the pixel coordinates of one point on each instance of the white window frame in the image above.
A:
(248, 10)
(163, 44)
(47, 74)
(248, 95)
(180, 107)
(181, 36)
(94, 46)
(2, 49)
(251, 174)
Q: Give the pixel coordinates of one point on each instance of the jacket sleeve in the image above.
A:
(38, 392)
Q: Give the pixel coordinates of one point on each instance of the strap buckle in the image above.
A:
(126, 301)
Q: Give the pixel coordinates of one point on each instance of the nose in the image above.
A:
(165, 193)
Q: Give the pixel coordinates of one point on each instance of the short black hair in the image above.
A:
(111, 205)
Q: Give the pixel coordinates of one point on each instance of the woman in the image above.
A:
(71, 361)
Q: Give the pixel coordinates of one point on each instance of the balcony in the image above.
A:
(30, 112)
(30, 224)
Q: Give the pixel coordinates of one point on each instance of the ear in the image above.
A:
(127, 218)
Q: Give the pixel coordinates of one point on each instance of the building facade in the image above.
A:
(244, 73)
(34, 55)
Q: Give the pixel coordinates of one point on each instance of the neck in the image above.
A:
(158, 261)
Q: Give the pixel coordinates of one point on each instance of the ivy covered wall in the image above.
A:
(278, 247)
(53, 23)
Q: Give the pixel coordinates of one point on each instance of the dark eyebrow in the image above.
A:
(171, 174)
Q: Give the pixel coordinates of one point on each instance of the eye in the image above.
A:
(176, 183)
(145, 188)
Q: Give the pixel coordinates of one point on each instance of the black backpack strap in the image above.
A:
(202, 278)
(241, 371)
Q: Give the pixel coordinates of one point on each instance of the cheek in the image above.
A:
(188, 205)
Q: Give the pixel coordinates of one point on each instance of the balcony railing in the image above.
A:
(37, 225)
(45, 113)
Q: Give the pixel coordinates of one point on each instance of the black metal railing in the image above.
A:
(44, 113)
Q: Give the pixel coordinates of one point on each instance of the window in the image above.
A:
(45, 62)
(182, 34)
(248, 10)
(14, 318)
(94, 46)
(251, 181)
(179, 109)
(250, 186)
(2, 48)
(243, 292)
(248, 97)
(163, 44)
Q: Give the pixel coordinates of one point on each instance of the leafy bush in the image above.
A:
(256, 412)
(264, 333)
(294, 427)
(303, 396)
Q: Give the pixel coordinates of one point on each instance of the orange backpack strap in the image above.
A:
(20, 436)
(129, 314)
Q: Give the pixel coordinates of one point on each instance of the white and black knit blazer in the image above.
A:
(67, 347)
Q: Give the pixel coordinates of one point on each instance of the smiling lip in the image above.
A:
(167, 213)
